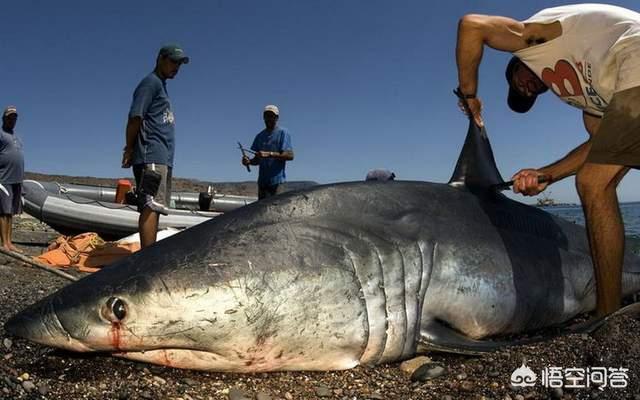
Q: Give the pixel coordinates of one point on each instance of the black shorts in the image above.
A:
(10, 198)
(163, 197)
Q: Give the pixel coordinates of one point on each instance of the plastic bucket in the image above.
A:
(123, 187)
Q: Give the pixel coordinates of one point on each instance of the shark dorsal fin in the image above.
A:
(476, 167)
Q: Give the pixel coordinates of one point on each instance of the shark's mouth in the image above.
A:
(247, 363)
(203, 360)
(176, 358)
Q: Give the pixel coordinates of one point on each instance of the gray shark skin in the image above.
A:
(331, 277)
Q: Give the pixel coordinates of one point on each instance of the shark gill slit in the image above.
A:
(354, 265)
(371, 353)
(376, 242)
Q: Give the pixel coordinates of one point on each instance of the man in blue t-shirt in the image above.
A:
(11, 175)
(150, 137)
(272, 149)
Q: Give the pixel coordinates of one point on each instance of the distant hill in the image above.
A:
(246, 188)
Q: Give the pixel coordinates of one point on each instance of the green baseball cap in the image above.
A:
(174, 52)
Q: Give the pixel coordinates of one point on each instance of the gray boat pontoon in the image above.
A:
(203, 201)
(71, 214)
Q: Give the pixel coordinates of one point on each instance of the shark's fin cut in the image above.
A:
(476, 168)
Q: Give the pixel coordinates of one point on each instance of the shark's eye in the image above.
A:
(115, 310)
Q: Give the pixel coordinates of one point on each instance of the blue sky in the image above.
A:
(361, 84)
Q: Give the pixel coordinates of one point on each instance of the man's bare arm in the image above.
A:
(475, 31)
(285, 155)
(133, 128)
(570, 163)
(526, 180)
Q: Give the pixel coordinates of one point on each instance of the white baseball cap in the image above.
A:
(272, 108)
(10, 110)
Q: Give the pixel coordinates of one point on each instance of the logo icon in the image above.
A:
(523, 377)
(167, 117)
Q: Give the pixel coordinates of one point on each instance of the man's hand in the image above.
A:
(246, 161)
(475, 106)
(127, 157)
(526, 182)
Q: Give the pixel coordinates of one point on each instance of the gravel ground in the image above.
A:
(31, 371)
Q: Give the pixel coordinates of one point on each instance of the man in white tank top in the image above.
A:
(589, 56)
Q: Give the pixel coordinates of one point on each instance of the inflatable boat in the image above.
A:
(72, 214)
(203, 201)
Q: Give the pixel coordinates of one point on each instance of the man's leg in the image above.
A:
(272, 190)
(597, 184)
(12, 247)
(16, 209)
(10, 203)
(149, 215)
(269, 191)
(5, 223)
(148, 227)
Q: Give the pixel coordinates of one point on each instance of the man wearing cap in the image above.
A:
(150, 141)
(11, 176)
(272, 149)
(589, 56)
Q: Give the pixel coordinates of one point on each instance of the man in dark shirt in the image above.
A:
(150, 141)
(11, 176)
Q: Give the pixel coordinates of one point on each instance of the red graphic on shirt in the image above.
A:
(563, 80)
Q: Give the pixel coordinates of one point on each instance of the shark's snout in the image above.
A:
(37, 323)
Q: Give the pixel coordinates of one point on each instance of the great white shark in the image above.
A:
(334, 276)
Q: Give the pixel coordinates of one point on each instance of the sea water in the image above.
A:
(630, 216)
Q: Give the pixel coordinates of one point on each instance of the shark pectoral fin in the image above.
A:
(436, 336)
(588, 326)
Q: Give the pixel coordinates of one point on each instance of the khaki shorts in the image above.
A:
(164, 190)
(618, 140)
(617, 148)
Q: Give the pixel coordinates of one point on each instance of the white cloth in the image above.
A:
(597, 54)
(162, 234)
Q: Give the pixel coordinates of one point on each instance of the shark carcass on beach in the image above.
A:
(334, 276)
